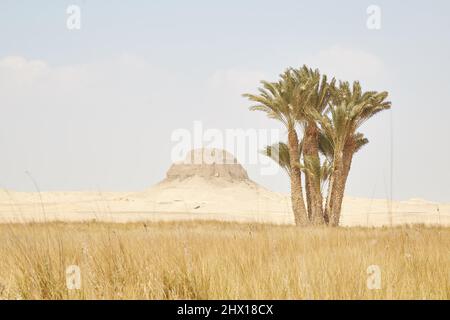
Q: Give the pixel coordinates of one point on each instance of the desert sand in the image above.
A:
(209, 190)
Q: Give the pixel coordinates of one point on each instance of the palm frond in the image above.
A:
(279, 152)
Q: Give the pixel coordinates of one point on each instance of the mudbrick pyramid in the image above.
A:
(208, 164)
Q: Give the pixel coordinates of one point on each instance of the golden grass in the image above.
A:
(213, 260)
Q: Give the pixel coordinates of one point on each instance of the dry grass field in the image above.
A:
(217, 260)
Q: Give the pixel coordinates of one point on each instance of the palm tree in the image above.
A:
(349, 109)
(318, 95)
(311, 90)
(330, 117)
(355, 143)
(278, 101)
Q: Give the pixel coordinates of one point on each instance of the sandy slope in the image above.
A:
(203, 198)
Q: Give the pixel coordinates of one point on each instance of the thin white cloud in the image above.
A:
(119, 81)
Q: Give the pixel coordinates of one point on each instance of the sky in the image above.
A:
(96, 108)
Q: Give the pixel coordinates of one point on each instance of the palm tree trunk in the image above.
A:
(308, 196)
(298, 205)
(328, 199)
(312, 183)
(346, 165)
(336, 189)
(347, 162)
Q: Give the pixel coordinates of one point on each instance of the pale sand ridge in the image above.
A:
(213, 189)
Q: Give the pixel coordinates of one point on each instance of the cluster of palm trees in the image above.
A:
(328, 115)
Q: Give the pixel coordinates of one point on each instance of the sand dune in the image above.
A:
(214, 191)
(200, 198)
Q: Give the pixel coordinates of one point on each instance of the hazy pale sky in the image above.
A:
(95, 108)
